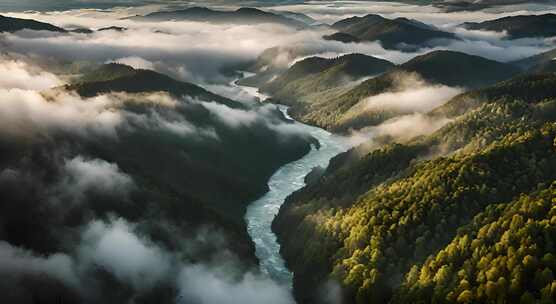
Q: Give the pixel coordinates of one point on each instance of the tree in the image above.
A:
(465, 296)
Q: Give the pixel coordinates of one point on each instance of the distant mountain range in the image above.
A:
(524, 26)
(9, 24)
(400, 33)
(242, 15)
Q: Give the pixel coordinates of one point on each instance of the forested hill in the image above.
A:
(121, 78)
(316, 74)
(400, 33)
(429, 220)
(459, 69)
(327, 98)
(522, 26)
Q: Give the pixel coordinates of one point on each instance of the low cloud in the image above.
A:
(16, 262)
(207, 285)
(117, 249)
(233, 117)
(83, 175)
(21, 75)
(410, 93)
(29, 113)
(400, 129)
(194, 51)
(409, 126)
(265, 115)
(419, 99)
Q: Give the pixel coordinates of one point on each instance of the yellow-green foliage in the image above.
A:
(507, 254)
(398, 223)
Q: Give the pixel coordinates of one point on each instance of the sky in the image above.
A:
(46, 5)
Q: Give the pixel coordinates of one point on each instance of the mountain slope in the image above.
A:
(317, 74)
(122, 78)
(270, 64)
(9, 24)
(538, 63)
(512, 263)
(180, 171)
(400, 33)
(531, 88)
(516, 27)
(407, 201)
(459, 69)
(242, 15)
(341, 108)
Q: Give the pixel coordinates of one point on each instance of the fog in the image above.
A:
(80, 246)
(18, 74)
(411, 94)
(83, 175)
(205, 53)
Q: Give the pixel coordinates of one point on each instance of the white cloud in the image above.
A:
(409, 126)
(15, 261)
(132, 259)
(400, 128)
(25, 112)
(206, 285)
(419, 99)
(82, 175)
(232, 117)
(20, 75)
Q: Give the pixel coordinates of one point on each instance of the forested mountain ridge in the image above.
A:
(338, 107)
(459, 69)
(317, 74)
(492, 153)
(522, 26)
(121, 78)
(400, 33)
(243, 15)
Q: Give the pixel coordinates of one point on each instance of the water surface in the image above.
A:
(284, 182)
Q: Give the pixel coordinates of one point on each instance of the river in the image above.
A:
(284, 182)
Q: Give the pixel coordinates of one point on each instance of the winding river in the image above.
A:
(284, 182)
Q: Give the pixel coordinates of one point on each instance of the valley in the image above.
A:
(309, 152)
